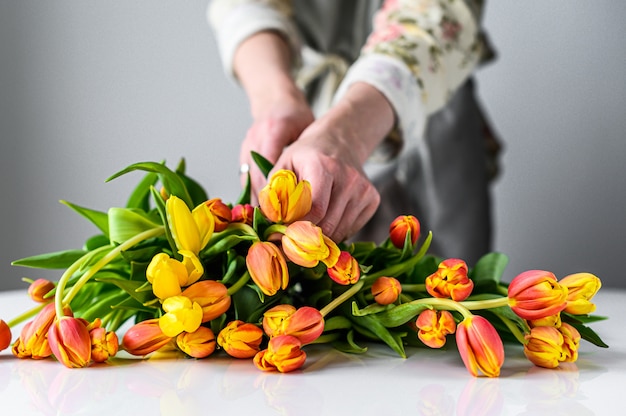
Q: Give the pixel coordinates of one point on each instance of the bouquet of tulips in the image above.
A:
(177, 270)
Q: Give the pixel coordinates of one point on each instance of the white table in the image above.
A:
(429, 382)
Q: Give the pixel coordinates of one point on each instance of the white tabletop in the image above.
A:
(428, 382)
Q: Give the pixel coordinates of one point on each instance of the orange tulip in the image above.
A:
(285, 199)
(197, 344)
(535, 294)
(240, 339)
(305, 323)
(104, 344)
(400, 227)
(243, 213)
(70, 342)
(33, 340)
(552, 320)
(306, 245)
(544, 346)
(571, 342)
(386, 290)
(480, 346)
(221, 213)
(346, 271)
(267, 267)
(144, 338)
(5, 335)
(212, 297)
(434, 326)
(283, 354)
(581, 287)
(38, 289)
(450, 281)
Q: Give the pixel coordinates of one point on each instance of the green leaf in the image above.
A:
(489, 268)
(160, 206)
(170, 180)
(55, 260)
(349, 346)
(125, 223)
(244, 197)
(132, 287)
(401, 314)
(139, 198)
(98, 218)
(373, 325)
(264, 165)
(96, 241)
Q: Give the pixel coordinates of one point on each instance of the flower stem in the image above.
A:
(61, 300)
(416, 287)
(239, 284)
(514, 329)
(485, 304)
(445, 304)
(342, 298)
(24, 316)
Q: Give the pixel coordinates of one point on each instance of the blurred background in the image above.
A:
(87, 88)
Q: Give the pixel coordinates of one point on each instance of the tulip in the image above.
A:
(346, 271)
(144, 338)
(306, 245)
(450, 281)
(33, 340)
(400, 227)
(38, 290)
(191, 230)
(243, 213)
(168, 275)
(70, 342)
(571, 342)
(305, 323)
(285, 199)
(240, 339)
(480, 346)
(386, 290)
(181, 314)
(197, 344)
(267, 267)
(283, 354)
(544, 346)
(5, 335)
(104, 344)
(535, 294)
(552, 320)
(581, 287)
(434, 326)
(222, 214)
(212, 297)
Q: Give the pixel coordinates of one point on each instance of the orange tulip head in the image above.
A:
(480, 346)
(305, 244)
(240, 339)
(450, 280)
(536, 294)
(267, 267)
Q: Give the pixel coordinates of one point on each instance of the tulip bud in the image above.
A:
(212, 297)
(267, 267)
(181, 314)
(544, 346)
(104, 344)
(450, 281)
(535, 294)
(70, 342)
(305, 323)
(39, 289)
(221, 213)
(144, 338)
(480, 346)
(191, 230)
(400, 227)
(283, 354)
(386, 290)
(5, 335)
(581, 287)
(33, 340)
(306, 245)
(434, 326)
(285, 199)
(240, 339)
(571, 342)
(197, 344)
(346, 271)
(243, 213)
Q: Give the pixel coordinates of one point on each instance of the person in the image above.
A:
(373, 103)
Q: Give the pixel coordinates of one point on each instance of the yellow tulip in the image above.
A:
(191, 230)
(285, 199)
(581, 287)
(181, 314)
(168, 276)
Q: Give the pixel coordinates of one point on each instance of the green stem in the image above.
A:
(26, 315)
(514, 329)
(274, 228)
(239, 284)
(445, 304)
(416, 287)
(61, 300)
(342, 298)
(485, 304)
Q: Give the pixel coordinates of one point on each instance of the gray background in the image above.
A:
(88, 87)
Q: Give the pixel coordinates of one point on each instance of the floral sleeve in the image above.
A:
(418, 54)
